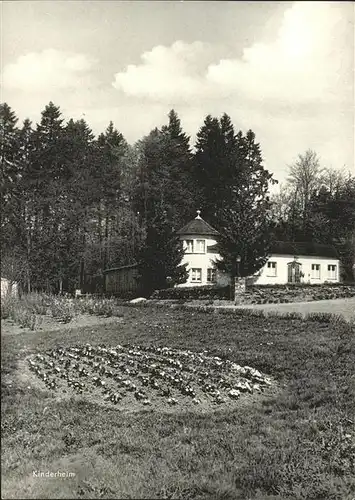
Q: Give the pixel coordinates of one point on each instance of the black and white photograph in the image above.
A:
(177, 249)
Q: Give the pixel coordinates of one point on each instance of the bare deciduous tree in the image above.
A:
(305, 177)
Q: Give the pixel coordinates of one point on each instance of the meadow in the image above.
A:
(292, 440)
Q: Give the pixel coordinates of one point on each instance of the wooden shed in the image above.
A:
(122, 281)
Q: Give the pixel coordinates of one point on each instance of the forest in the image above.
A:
(74, 204)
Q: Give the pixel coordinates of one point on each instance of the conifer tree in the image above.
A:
(9, 137)
(9, 146)
(47, 171)
(164, 173)
(160, 258)
(178, 169)
(245, 223)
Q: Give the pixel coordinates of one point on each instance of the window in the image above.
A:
(332, 270)
(271, 269)
(211, 275)
(316, 271)
(200, 246)
(196, 275)
(189, 245)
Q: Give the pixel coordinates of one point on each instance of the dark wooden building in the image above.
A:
(122, 281)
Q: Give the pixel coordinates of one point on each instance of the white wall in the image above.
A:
(201, 261)
(205, 260)
(6, 288)
(306, 268)
(264, 277)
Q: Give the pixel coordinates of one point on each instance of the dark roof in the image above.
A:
(198, 226)
(295, 248)
(304, 248)
(113, 269)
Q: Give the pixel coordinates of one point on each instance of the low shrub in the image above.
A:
(17, 310)
(37, 303)
(325, 317)
(208, 292)
(62, 310)
(261, 294)
(295, 286)
(25, 318)
(97, 307)
(7, 306)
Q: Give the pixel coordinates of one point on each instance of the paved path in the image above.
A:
(345, 307)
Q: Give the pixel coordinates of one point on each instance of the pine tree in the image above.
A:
(9, 146)
(245, 224)
(164, 199)
(160, 258)
(79, 156)
(12, 257)
(177, 166)
(9, 136)
(48, 170)
(111, 152)
(206, 174)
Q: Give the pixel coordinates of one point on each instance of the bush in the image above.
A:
(295, 286)
(20, 311)
(262, 294)
(24, 317)
(208, 292)
(37, 303)
(97, 307)
(7, 306)
(325, 317)
(62, 310)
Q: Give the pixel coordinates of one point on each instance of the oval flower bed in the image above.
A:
(133, 376)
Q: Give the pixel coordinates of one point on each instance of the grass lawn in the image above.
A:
(296, 442)
(344, 307)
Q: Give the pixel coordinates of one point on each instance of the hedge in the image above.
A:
(261, 294)
(283, 286)
(193, 293)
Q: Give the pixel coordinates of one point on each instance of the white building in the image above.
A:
(289, 262)
(8, 288)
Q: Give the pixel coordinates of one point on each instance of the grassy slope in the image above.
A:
(289, 445)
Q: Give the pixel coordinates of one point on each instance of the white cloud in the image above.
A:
(48, 70)
(296, 91)
(165, 72)
(306, 62)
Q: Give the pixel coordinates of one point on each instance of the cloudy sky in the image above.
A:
(283, 69)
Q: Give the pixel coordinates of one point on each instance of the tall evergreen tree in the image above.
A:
(164, 173)
(9, 145)
(164, 199)
(47, 171)
(160, 258)
(79, 188)
(207, 161)
(111, 152)
(245, 221)
(177, 158)
(12, 258)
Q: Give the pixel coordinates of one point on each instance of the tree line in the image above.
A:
(74, 204)
(317, 204)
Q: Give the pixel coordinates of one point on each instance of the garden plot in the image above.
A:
(133, 377)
